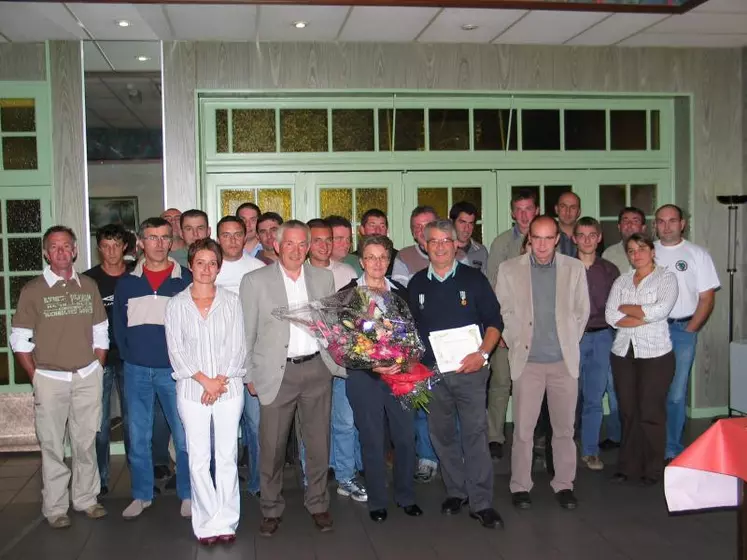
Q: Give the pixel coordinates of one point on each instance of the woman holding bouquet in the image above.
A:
(207, 349)
(374, 406)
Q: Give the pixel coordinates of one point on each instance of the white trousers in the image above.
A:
(215, 507)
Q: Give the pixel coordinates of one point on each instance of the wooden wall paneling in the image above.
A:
(68, 141)
(23, 62)
(712, 76)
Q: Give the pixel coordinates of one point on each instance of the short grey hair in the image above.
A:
(446, 226)
(292, 224)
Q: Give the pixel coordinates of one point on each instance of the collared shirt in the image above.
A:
(21, 338)
(214, 345)
(599, 276)
(254, 252)
(342, 272)
(362, 282)
(566, 245)
(475, 255)
(656, 294)
(301, 343)
(431, 273)
(545, 348)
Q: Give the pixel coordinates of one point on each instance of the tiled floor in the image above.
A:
(611, 523)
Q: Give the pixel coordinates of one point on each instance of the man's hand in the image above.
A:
(251, 389)
(471, 363)
(391, 370)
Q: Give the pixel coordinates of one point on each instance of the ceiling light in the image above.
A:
(143, 58)
(123, 23)
(300, 24)
(469, 27)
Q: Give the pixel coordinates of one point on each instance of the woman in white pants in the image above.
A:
(205, 335)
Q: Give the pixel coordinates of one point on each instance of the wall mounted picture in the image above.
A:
(120, 210)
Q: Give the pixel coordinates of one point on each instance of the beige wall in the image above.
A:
(712, 76)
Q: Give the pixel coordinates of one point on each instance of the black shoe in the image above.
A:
(412, 510)
(521, 500)
(496, 450)
(378, 515)
(567, 499)
(488, 518)
(156, 491)
(608, 444)
(161, 472)
(619, 478)
(104, 491)
(452, 506)
(648, 481)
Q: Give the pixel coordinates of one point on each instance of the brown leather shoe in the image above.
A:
(323, 521)
(268, 526)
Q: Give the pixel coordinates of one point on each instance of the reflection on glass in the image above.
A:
(628, 130)
(365, 199)
(611, 200)
(410, 130)
(643, 197)
(468, 194)
(655, 131)
(4, 369)
(3, 330)
(231, 199)
(438, 198)
(23, 216)
(610, 233)
(19, 153)
(2, 292)
(352, 130)
(254, 131)
(17, 115)
(221, 131)
(448, 129)
(303, 130)
(552, 194)
(338, 202)
(16, 285)
(276, 200)
(25, 254)
(585, 130)
(540, 129)
(492, 130)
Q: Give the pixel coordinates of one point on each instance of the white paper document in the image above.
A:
(450, 346)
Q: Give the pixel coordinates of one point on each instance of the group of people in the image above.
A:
(187, 334)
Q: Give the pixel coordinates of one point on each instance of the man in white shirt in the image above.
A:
(236, 263)
(630, 220)
(345, 451)
(698, 281)
(249, 214)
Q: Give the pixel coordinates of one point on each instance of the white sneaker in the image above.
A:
(135, 508)
(426, 471)
(186, 509)
(353, 489)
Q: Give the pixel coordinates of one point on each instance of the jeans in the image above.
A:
(142, 386)
(112, 374)
(614, 429)
(423, 447)
(250, 438)
(683, 343)
(595, 350)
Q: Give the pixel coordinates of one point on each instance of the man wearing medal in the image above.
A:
(450, 295)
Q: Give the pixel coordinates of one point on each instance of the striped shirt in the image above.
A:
(215, 345)
(656, 294)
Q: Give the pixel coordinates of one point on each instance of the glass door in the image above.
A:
(272, 192)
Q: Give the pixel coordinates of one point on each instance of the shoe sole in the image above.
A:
(488, 526)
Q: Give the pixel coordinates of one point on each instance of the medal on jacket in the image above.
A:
(463, 297)
(421, 299)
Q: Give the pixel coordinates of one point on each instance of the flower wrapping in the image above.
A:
(366, 329)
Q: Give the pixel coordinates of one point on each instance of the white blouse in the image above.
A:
(656, 294)
(215, 345)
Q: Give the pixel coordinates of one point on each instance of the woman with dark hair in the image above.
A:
(207, 348)
(642, 359)
(374, 406)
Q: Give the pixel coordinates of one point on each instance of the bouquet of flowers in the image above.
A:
(366, 329)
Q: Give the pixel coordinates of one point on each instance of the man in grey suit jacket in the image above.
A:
(284, 368)
(545, 306)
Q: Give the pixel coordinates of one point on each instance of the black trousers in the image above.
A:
(375, 410)
(642, 385)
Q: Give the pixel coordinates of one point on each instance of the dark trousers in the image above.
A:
(642, 385)
(458, 424)
(376, 412)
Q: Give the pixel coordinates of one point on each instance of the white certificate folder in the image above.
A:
(450, 346)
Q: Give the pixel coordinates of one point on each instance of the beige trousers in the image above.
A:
(75, 406)
(499, 391)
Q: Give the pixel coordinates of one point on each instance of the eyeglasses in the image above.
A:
(440, 242)
(158, 238)
(373, 258)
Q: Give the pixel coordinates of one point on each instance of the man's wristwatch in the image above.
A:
(485, 356)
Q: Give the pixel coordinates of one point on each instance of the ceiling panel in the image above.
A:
(124, 55)
(703, 23)
(550, 28)
(93, 60)
(324, 22)
(685, 40)
(395, 24)
(447, 27)
(204, 23)
(101, 22)
(616, 28)
(722, 6)
(32, 21)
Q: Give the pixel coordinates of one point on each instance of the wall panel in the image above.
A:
(22, 62)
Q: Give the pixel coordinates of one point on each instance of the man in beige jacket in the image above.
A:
(545, 306)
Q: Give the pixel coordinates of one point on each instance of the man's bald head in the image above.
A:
(541, 221)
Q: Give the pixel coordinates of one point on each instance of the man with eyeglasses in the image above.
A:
(544, 300)
(448, 295)
(140, 300)
(596, 344)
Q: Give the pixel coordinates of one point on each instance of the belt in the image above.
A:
(680, 320)
(595, 329)
(301, 359)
